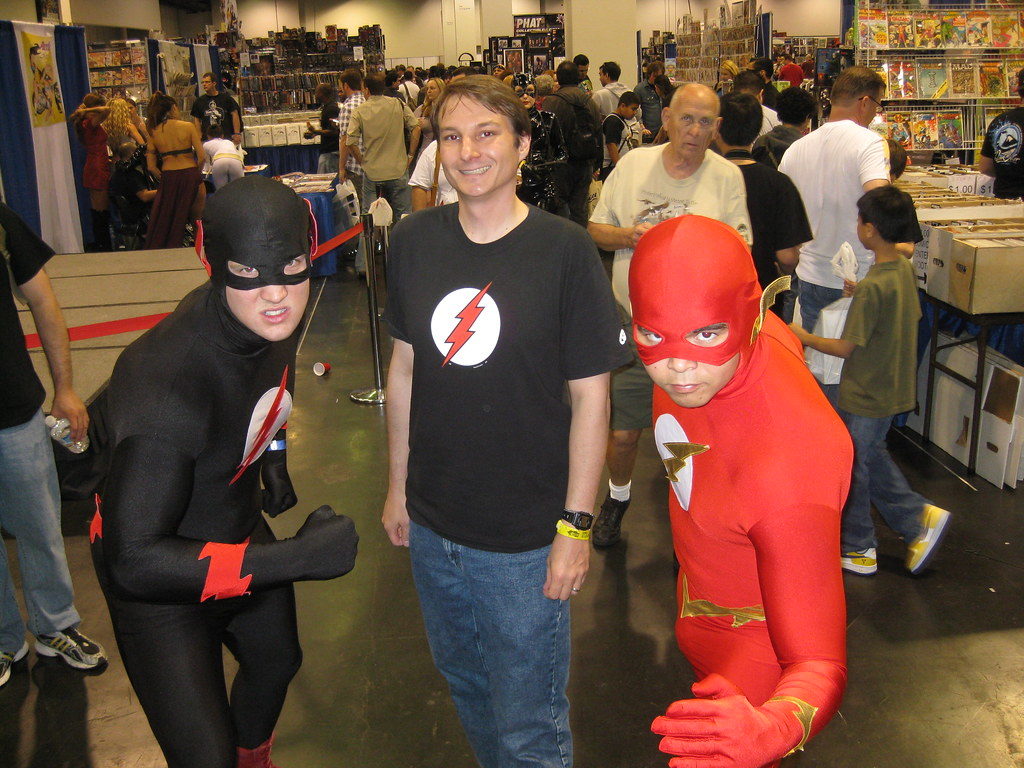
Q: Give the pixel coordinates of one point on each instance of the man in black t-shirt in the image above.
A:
(1002, 154)
(328, 131)
(29, 495)
(777, 216)
(505, 330)
(215, 108)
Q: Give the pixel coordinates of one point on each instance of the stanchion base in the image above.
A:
(368, 396)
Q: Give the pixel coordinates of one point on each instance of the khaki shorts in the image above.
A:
(631, 391)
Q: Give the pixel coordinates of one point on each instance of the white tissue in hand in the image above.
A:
(844, 263)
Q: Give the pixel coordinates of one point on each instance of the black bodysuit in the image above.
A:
(190, 409)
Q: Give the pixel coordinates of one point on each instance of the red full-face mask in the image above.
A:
(693, 272)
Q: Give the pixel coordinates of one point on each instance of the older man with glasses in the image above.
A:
(650, 185)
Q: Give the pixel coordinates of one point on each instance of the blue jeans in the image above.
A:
(876, 480)
(502, 646)
(30, 511)
(327, 162)
(813, 299)
(398, 195)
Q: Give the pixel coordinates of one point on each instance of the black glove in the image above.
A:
(278, 493)
(325, 545)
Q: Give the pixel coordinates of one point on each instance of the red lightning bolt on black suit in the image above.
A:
(185, 558)
(759, 476)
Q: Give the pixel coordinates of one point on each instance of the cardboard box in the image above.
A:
(250, 137)
(970, 210)
(939, 250)
(987, 276)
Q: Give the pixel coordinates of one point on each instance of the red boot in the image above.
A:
(257, 758)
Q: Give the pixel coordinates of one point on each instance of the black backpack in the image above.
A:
(583, 135)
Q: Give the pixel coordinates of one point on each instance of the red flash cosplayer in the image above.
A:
(759, 467)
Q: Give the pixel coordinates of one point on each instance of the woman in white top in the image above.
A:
(223, 158)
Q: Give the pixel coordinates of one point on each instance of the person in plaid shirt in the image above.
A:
(352, 89)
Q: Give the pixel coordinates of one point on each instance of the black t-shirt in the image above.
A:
(216, 110)
(329, 122)
(613, 129)
(21, 392)
(777, 217)
(1004, 143)
(496, 329)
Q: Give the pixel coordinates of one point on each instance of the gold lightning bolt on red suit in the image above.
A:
(759, 473)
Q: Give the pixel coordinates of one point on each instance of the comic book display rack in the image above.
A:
(702, 45)
(119, 70)
(537, 44)
(284, 69)
(948, 70)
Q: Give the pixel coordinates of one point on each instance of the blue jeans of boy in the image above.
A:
(876, 480)
(30, 511)
(502, 646)
(813, 299)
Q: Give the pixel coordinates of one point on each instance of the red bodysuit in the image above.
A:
(758, 478)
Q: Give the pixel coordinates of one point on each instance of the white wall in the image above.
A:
(25, 10)
(795, 17)
(175, 22)
(259, 16)
(412, 28)
(134, 14)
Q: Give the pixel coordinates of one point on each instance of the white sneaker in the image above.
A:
(934, 521)
(863, 562)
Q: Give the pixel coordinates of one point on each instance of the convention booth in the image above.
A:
(43, 77)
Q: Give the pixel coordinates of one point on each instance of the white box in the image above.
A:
(250, 137)
(280, 135)
(999, 441)
(294, 133)
(266, 135)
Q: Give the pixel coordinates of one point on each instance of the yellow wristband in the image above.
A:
(573, 533)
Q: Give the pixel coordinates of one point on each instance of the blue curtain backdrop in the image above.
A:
(73, 68)
(17, 159)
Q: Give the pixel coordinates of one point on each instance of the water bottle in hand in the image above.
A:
(60, 430)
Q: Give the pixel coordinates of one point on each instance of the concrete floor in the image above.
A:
(935, 662)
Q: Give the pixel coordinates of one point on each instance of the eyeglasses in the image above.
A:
(878, 105)
(705, 123)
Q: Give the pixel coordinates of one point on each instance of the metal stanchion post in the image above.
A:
(376, 394)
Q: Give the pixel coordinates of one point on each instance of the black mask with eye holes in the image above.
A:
(258, 223)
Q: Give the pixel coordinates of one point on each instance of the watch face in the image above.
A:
(579, 520)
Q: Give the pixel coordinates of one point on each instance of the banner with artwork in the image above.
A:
(44, 99)
(58, 200)
(177, 70)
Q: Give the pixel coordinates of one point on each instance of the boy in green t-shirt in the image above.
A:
(879, 343)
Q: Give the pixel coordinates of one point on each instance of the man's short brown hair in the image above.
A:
(856, 82)
(353, 78)
(489, 93)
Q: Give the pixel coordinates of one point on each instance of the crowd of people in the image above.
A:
(505, 323)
